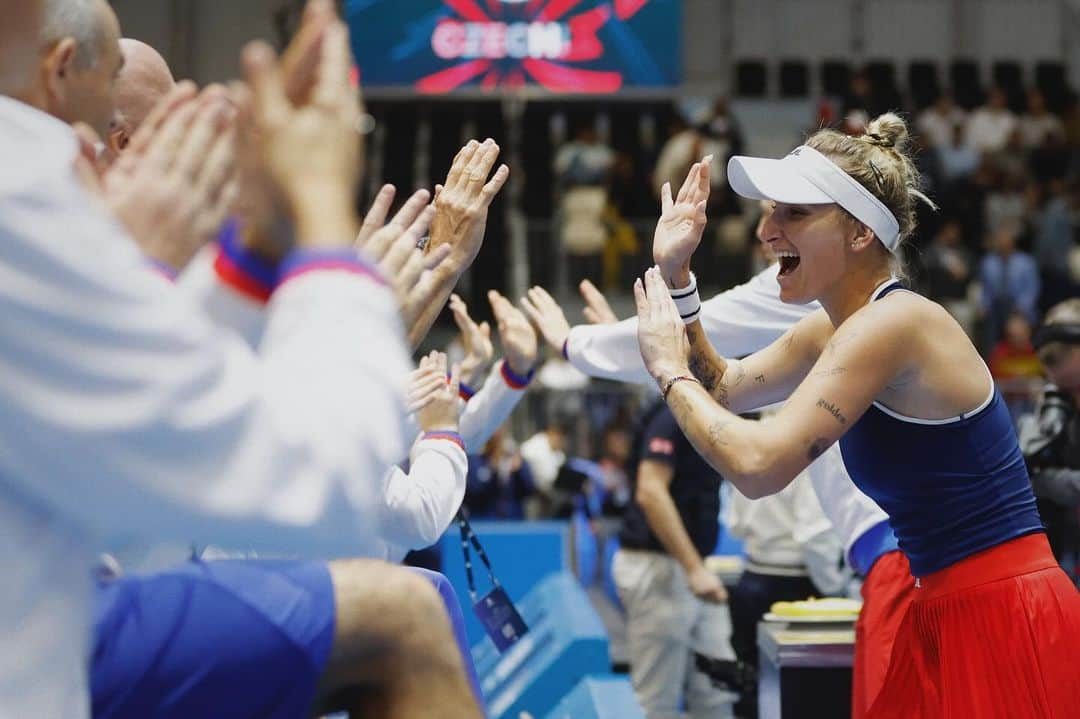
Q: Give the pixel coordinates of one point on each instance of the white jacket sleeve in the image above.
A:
(822, 549)
(420, 505)
(490, 407)
(849, 510)
(216, 286)
(128, 413)
(738, 322)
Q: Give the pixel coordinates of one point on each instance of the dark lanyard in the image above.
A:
(469, 537)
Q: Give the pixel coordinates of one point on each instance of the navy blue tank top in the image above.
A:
(951, 487)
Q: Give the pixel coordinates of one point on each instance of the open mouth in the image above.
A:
(788, 262)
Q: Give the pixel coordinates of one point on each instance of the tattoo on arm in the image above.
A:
(704, 370)
(760, 379)
(832, 372)
(738, 373)
(817, 448)
(833, 410)
(717, 435)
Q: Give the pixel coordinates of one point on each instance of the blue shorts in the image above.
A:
(247, 638)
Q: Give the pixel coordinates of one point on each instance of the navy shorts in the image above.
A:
(246, 638)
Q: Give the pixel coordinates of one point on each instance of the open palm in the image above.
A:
(682, 221)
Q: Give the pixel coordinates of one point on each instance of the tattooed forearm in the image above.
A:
(760, 379)
(704, 363)
(817, 448)
(703, 368)
(833, 410)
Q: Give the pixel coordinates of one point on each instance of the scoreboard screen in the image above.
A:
(565, 46)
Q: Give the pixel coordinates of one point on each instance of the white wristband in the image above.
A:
(688, 301)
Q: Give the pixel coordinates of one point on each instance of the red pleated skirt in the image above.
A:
(994, 636)
(887, 592)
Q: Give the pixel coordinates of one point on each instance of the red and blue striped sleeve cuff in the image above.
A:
(448, 436)
(514, 380)
(241, 269)
(165, 270)
(301, 262)
(465, 391)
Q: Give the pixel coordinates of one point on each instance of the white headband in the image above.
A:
(806, 177)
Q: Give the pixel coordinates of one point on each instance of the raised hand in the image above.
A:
(304, 114)
(681, 224)
(462, 202)
(597, 310)
(661, 332)
(172, 187)
(461, 209)
(547, 316)
(433, 396)
(475, 338)
(516, 334)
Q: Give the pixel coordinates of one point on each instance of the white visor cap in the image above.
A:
(806, 177)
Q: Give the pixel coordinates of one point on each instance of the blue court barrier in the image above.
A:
(522, 554)
(566, 641)
(599, 697)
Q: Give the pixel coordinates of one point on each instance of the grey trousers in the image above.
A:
(665, 625)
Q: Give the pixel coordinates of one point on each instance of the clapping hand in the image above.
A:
(661, 332)
(516, 334)
(597, 310)
(548, 316)
(681, 224)
(476, 339)
(433, 396)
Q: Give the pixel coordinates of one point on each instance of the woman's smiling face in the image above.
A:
(809, 241)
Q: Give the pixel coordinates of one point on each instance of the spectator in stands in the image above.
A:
(675, 605)
(1050, 437)
(949, 270)
(583, 172)
(1054, 242)
(1038, 125)
(1010, 283)
(1014, 366)
(859, 100)
(615, 454)
(545, 452)
(990, 126)
(956, 157)
(937, 123)
(711, 131)
(499, 480)
(1009, 200)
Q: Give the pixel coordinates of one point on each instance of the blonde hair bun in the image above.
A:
(888, 130)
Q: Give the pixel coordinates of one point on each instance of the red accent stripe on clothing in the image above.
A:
(237, 279)
(448, 436)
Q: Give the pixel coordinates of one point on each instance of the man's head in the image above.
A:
(143, 81)
(80, 59)
(19, 31)
(1058, 345)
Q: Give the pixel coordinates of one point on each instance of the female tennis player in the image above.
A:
(994, 630)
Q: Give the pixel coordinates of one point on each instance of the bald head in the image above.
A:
(144, 79)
